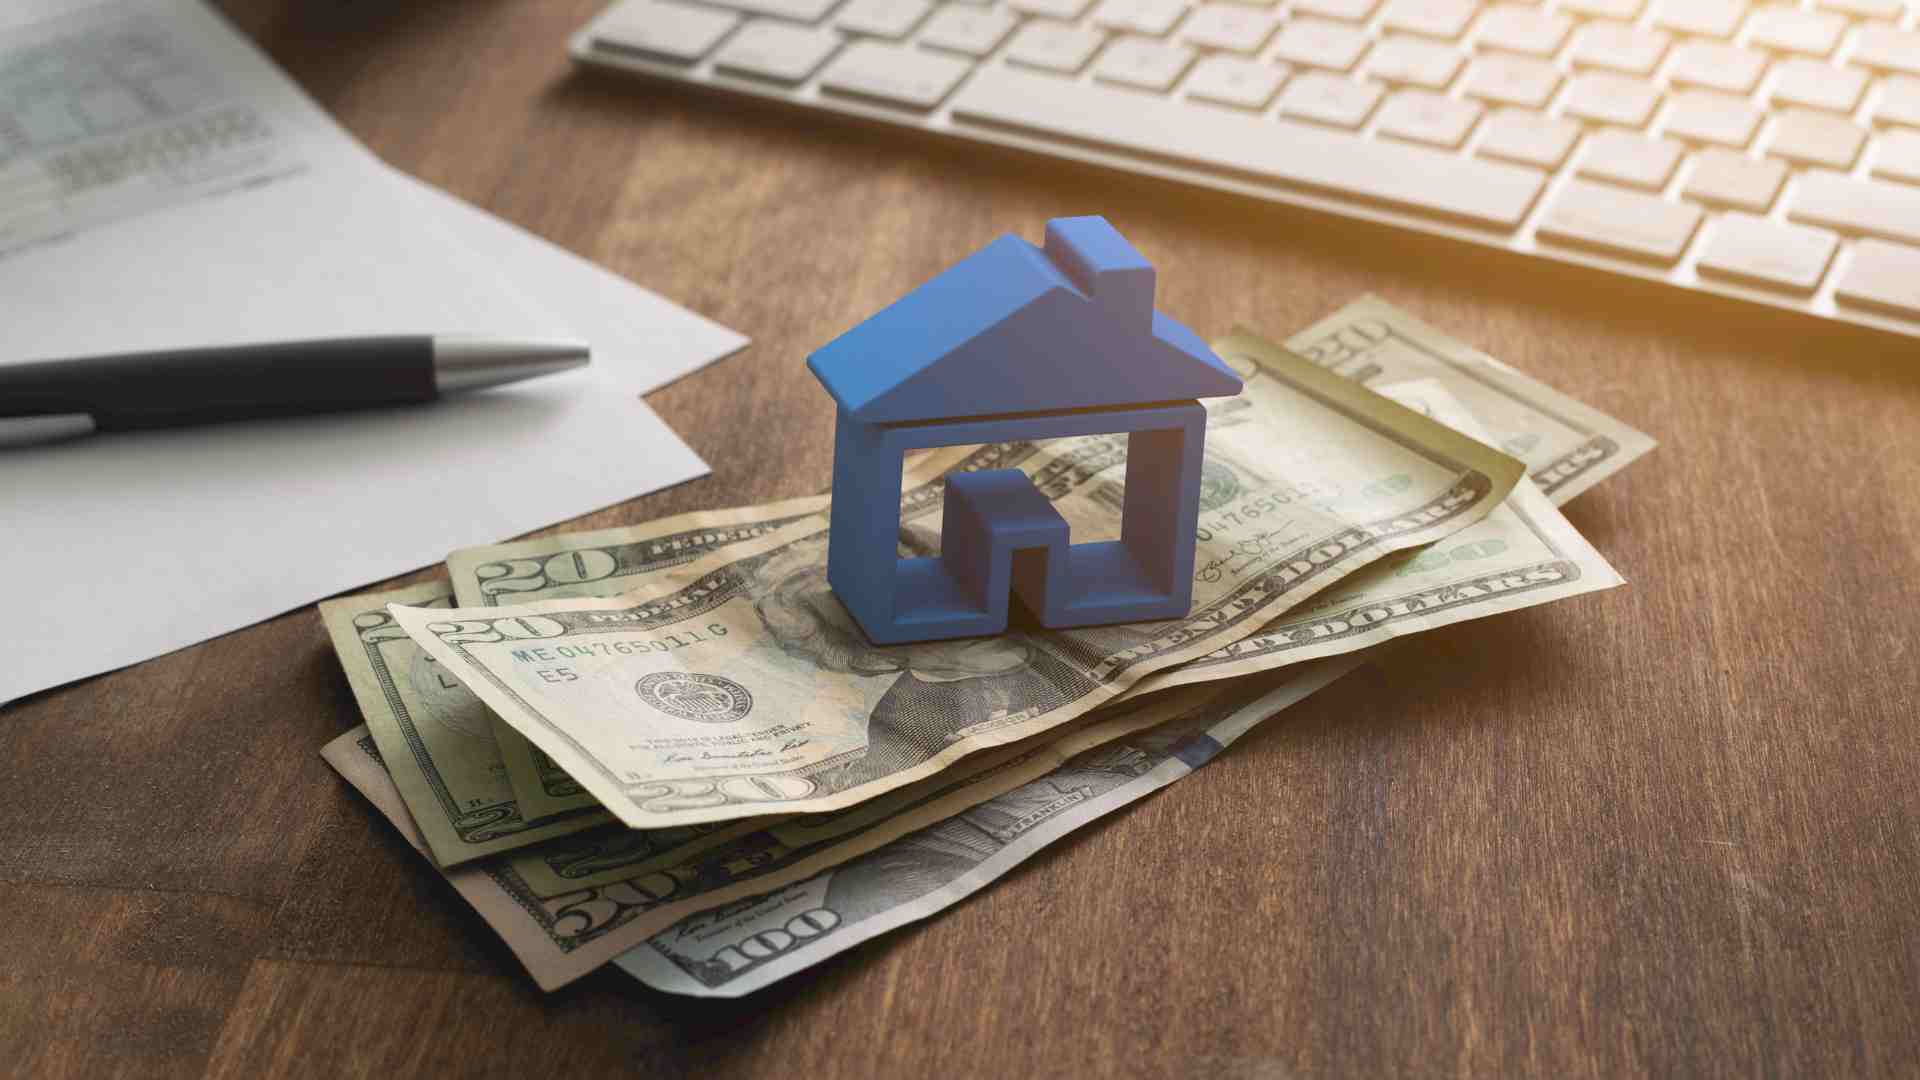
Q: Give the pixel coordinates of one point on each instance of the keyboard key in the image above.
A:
(1899, 157)
(1899, 101)
(1330, 99)
(1872, 207)
(1760, 252)
(1143, 62)
(1817, 86)
(1230, 27)
(1623, 10)
(1866, 9)
(1724, 178)
(1612, 99)
(1427, 117)
(797, 10)
(1716, 67)
(1315, 43)
(1528, 137)
(1812, 138)
(973, 31)
(1064, 10)
(1619, 48)
(1231, 80)
(1523, 30)
(1415, 62)
(1431, 18)
(1349, 10)
(1621, 222)
(1883, 275)
(894, 74)
(1888, 49)
(1152, 17)
(1788, 29)
(1512, 80)
(777, 50)
(1633, 160)
(1395, 173)
(1706, 116)
(1054, 46)
(1707, 18)
(665, 30)
(882, 18)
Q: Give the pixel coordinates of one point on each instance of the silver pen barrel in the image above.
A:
(475, 363)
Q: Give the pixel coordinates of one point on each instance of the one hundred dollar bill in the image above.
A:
(740, 947)
(736, 685)
(1522, 555)
(1568, 446)
(436, 735)
(563, 937)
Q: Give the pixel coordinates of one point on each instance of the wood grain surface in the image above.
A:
(1668, 830)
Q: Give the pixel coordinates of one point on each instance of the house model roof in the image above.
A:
(1015, 328)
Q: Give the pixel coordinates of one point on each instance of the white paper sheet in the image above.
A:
(133, 545)
(651, 340)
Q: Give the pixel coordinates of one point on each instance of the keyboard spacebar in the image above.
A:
(1405, 176)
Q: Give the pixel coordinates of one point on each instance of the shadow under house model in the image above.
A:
(1019, 342)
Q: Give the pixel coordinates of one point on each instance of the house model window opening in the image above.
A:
(1019, 342)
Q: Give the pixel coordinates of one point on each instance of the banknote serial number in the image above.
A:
(555, 654)
(1250, 510)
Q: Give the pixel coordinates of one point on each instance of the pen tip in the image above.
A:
(477, 363)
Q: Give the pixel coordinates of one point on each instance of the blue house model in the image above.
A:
(1018, 342)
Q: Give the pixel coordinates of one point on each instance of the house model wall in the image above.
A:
(1019, 342)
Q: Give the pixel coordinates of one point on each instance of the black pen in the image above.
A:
(55, 399)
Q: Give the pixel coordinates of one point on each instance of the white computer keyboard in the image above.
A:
(1767, 152)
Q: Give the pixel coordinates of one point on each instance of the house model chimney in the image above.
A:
(1099, 261)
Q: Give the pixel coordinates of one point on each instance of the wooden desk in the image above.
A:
(1671, 829)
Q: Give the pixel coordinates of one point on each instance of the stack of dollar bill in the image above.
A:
(669, 747)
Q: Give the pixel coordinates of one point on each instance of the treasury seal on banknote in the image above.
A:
(709, 699)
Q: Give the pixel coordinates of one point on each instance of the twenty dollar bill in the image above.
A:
(1522, 555)
(736, 685)
(1568, 445)
(437, 736)
(598, 563)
